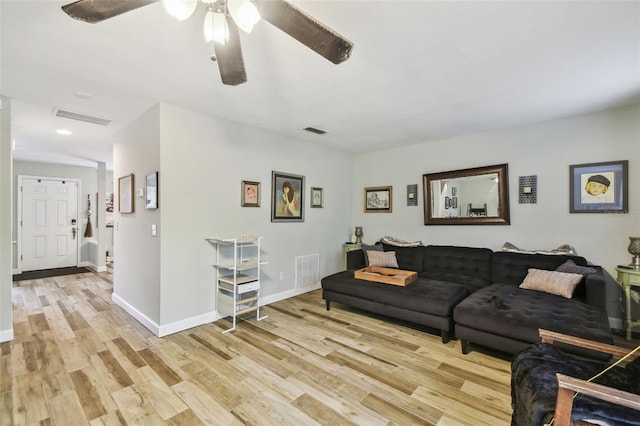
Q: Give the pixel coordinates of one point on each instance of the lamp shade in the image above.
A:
(244, 13)
(180, 9)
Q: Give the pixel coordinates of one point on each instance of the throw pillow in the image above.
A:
(382, 258)
(558, 283)
(366, 249)
(570, 267)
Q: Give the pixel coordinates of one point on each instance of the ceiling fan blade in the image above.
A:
(307, 30)
(229, 57)
(93, 11)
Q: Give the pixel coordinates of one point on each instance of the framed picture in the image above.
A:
(125, 194)
(250, 194)
(378, 199)
(316, 197)
(287, 197)
(151, 191)
(599, 187)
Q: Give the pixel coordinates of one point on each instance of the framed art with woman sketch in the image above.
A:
(287, 197)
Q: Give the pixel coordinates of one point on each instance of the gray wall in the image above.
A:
(6, 154)
(546, 150)
(167, 282)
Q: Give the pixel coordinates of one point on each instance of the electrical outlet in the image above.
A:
(281, 275)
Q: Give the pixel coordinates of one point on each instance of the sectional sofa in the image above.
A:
(475, 294)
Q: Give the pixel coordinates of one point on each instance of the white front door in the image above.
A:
(49, 223)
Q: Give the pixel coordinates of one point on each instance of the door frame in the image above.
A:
(21, 178)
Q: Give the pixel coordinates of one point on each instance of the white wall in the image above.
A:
(546, 150)
(202, 163)
(136, 270)
(6, 154)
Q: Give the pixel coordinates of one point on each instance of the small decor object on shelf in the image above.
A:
(599, 187)
(358, 234)
(634, 250)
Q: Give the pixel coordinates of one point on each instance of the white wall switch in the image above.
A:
(140, 192)
(154, 230)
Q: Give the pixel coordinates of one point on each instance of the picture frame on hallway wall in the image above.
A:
(599, 187)
(151, 191)
(316, 197)
(378, 199)
(250, 194)
(287, 197)
(125, 194)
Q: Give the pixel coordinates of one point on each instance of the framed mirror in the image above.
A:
(478, 196)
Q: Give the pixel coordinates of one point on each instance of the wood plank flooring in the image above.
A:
(79, 359)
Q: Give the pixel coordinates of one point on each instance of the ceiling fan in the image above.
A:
(223, 20)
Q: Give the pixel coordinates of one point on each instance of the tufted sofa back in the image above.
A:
(511, 268)
(409, 258)
(469, 266)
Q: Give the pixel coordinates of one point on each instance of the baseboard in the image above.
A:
(185, 324)
(6, 335)
(288, 294)
(97, 268)
(16, 271)
(142, 318)
(206, 318)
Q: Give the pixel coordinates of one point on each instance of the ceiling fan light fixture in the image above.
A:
(244, 13)
(180, 9)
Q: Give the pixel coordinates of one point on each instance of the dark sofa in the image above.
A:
(473, 294)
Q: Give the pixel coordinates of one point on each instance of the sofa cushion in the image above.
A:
(428, 296)
(469, 266)
(516, 313)
(513, 267)
(570, 267)
(367, 248)
(382, 258)
(553, 282)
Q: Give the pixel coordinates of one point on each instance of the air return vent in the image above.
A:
(307, 270)
(82, 117)
(315, 130)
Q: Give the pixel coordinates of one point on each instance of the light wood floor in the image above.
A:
(79, 359)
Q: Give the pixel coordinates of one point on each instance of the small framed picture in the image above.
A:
(151, 200)
(287, 197)
(378, 199)
(316, 197)
(250, 194)
(599, 187)
(125, 194)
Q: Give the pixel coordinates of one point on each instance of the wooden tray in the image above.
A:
(386, 275)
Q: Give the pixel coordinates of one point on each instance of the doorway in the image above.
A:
(48, 226)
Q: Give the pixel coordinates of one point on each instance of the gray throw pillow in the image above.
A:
(571, 268)
(366, 248)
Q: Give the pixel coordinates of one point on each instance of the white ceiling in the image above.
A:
(420, 71)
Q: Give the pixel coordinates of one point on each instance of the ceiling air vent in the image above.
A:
(315, 130)
(82, 117)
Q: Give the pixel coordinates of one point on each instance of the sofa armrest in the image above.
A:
(595, 285)
(355, 259)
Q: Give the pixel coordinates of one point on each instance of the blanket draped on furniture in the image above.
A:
(534, 387)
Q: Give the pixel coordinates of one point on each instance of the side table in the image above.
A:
(628, 277)
(347, 248)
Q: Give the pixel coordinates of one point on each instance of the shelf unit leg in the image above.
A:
(233, 327)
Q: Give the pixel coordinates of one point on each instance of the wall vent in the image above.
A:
(82, 117)
(315, 130)
(307, 270)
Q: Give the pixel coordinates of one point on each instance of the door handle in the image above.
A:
(74, 231)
